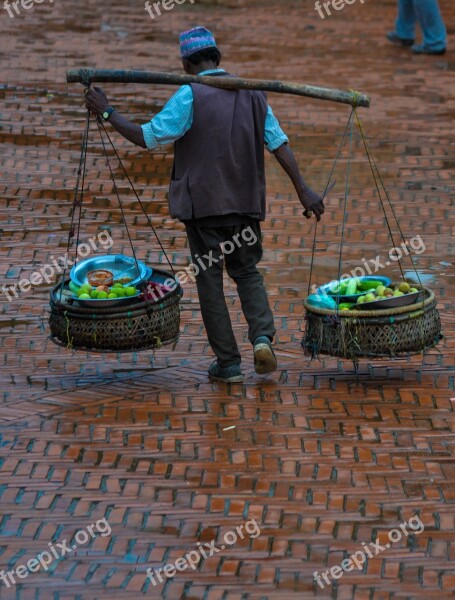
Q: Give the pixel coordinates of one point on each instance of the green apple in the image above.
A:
(370, 297)
(94, 294)
(102, 295)
(112, 295)
(360, 299)
(413, 290)
(398, 293)
(131, 291)
(84, 296)
(404, 287)
(73, 287)
(380, 290)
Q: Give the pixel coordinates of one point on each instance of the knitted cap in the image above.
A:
(195, 39)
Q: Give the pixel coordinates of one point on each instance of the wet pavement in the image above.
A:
(313, 461)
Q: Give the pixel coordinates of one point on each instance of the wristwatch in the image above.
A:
(107, 113)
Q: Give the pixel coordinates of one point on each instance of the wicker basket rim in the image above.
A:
(373, 313)
(116, 311)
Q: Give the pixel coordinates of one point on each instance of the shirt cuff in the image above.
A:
(277, 141)
(149, 136)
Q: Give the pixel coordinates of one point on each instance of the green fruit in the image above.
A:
(360, 299)
(87, 287)
(380, 290)
(351, 288)
(388, 291)
(369, 285)
(102, 295)
(404, 287)
(131, 291)
(73, 287)
(112, 295)
(345, 305)
(117, 285)
(397, 293)
(84, 296)
(413, 290)
(370, 297)
(81, 291)
(119, 291)
(94, 294)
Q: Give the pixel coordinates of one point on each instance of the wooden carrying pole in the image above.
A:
(87, 76)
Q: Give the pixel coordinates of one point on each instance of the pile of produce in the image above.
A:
(375, 291)
(102, 292)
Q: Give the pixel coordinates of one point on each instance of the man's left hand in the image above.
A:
(96, 100)
(312, 203)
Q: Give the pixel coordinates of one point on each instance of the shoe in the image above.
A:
(264, 357)
(392, 37)
(231, 374)
(422, 49)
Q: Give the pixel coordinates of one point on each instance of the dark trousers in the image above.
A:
(242, 251)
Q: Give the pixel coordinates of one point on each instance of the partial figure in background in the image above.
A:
(427, 14)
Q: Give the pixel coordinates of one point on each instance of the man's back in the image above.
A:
(219, 162)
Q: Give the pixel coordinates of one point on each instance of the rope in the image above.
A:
(135, 193)
(373, 163)
(340, 147)
(76, 202)
(346, 196)
(117, 194)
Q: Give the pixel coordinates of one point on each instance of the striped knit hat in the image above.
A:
(195, 39)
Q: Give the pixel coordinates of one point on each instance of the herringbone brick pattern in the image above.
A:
(321, 456)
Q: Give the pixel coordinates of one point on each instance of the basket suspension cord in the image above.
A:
(340, 147)
(346, 193)
(378, 178)
(98, 120)
(77, 203)
(101, 127)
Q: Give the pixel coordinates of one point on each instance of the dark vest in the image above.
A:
(219, 162)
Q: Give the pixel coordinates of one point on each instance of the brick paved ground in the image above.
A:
(322, 459)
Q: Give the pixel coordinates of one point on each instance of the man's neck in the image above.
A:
(204, 66)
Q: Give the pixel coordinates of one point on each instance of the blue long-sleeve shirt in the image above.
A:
(176, 118)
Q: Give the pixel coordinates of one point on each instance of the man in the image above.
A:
(428, 15)
(218, 191)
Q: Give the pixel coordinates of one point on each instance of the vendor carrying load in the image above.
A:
(218, 191)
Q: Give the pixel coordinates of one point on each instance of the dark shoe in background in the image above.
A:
(422, 49)
(392, 37)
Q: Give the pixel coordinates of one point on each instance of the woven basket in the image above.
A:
(140, 325)
(383, 333)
